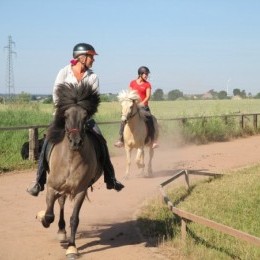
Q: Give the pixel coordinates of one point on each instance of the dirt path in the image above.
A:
(107, 227)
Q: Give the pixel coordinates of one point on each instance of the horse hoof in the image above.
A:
(140, 165)
(61, 235)
(40, 215)
(71, 252)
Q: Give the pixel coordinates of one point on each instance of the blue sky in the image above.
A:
(190, 45)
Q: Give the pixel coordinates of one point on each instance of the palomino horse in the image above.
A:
(73, 163)
(135, 131)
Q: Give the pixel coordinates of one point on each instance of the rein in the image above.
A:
(132, 115)
(73, 130)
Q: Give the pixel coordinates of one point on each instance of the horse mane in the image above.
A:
(71, 95)
(126, 95)
(132, 95)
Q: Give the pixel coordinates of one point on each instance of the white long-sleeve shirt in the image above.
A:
(66, 75)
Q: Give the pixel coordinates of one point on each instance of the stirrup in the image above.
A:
(155, 145)
(35, 189)
(119, 144)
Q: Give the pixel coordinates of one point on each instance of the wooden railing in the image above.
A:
(187, 216)
(33, 129)
(242, 117)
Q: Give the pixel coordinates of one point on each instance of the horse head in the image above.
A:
(129, 102)
(75, 119)
(76, 104)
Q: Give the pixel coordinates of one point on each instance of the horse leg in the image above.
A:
(128, 161)
(47, 217)
(72, 251)
(62, 225)
(139, 159)
(150, 170)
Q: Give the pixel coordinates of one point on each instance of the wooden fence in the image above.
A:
(33, 129)
(242, 118)
(187, 216)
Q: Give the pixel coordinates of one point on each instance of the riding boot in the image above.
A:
(41, 172)
(120, 141)
(150, 123)
(109, 172)
(151, 129)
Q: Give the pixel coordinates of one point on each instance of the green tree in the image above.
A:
(236, 92)
(158, 94)
(257, 95)
(243, 93)
(222, 94)
(174, 94)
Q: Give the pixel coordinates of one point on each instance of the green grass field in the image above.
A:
(214, 130)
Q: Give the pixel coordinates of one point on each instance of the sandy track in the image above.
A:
(107, 226)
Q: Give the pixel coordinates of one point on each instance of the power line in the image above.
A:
(10, 72)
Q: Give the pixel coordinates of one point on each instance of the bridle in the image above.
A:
(131, 115)
(73, 131)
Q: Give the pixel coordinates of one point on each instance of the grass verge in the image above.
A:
(233, 200)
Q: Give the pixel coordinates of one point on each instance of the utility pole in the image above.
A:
(10, 72)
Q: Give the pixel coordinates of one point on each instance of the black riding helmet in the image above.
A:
(143, 70)
(83, 48)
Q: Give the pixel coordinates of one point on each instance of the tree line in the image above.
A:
(176, 94)
(158, 95)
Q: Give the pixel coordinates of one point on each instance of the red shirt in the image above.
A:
(141, 89)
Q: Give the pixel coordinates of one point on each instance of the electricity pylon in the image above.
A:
(10, 72)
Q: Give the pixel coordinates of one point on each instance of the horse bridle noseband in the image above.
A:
(73, 130)
(132, 114)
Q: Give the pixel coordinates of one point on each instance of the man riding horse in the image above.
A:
(78, 72)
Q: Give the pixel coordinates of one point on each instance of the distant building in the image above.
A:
(207, 95)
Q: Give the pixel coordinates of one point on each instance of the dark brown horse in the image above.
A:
(73, 164)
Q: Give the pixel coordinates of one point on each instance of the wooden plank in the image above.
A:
(177, 175)
(204, 173)
(23, 127)
(210, 223)
(217, 226)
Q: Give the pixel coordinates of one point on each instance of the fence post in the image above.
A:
(226, 120)
(242, 121)
(183, 229)
(33, 144)
(255, 121)
(187, 179)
